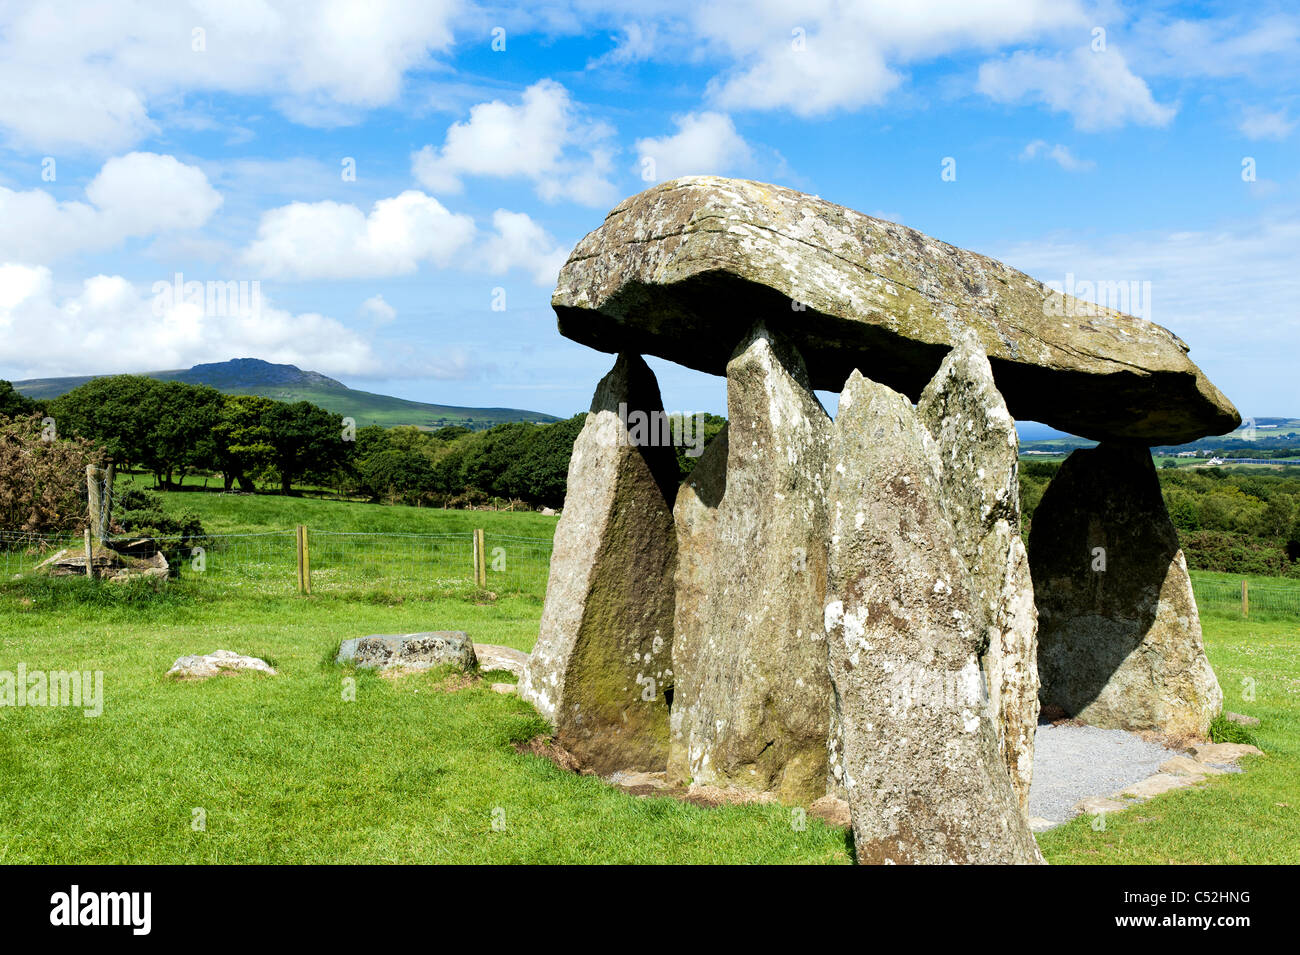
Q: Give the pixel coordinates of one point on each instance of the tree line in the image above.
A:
(1234, 521)
(173, 430)
(1230, 520)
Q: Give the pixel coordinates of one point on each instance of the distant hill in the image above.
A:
(252, 376)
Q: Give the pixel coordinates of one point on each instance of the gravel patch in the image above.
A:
(1071, 762)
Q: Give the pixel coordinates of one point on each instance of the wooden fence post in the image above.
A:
(94, 501)
(90, 556)
(304, 560)
(480, 558)
(1245, 597)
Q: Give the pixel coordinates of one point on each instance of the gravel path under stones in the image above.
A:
(1071, 762)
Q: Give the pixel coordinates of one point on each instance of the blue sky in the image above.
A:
(1111, 142)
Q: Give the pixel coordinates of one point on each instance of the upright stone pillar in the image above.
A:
(751, 706)
(979, 454)
(921, 767)
(601, 670)
(1119, 637)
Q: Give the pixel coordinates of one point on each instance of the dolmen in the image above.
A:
(847, 607)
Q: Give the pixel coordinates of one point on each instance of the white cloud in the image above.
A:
(1254, 44)
(108, 325)
(1260, 124)
(851, 54)
(310, 240)
(705, 144)
(635, 43)
(82, 74)
(520, 243)
(378, 311)
(1059, 154)
(1097, 89)
(138, 194)
(1230, 293)
(542, 139)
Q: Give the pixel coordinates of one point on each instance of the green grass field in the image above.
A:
(284, 769)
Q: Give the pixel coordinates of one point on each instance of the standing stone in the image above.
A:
(1119, 638)
(602, 665)
(925, 781)
(979, 454)
(751, 706)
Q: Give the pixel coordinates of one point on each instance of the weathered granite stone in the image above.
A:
(979, 472)
(683, 269)
(1186, 766)
(212, 664)
(410, 651)
(601, 670)
(751, 706)
(1119, 637)
(491, 656)
(924, 778)
(1223, 754)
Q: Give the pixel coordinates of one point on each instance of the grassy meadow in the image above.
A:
(252, 768)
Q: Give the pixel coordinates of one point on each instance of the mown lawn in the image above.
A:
(1249, 818)
(284, 769)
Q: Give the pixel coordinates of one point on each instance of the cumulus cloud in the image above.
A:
(138, 194)
(378, 311)
(82, 74)
(705, 144)
(1059, 154)
(313, 240)
(109, 325)
(1097, 89)
(520, 243)
(1230, 293)
(1261, 124)
(543, 139)
(843, 54)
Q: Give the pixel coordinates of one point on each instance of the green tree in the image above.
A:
(180, 422)
(397, 475)
(112, 412)
(242, 439)
(540, 475)
(305, 439)
(14, 404)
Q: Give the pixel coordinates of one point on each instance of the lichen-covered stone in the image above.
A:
(1119, 637)
(979, 470)
(410, 651)
(752, 697)
(212, 664)
(602, 666)
(682, 270)
(924, 778)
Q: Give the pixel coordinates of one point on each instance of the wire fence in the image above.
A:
(1246, 598)
(335, 561)
(360, 562)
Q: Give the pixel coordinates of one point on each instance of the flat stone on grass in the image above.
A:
(410, 651)
(1157, 785)
(214, 663)
(494, 657)
(1223, 754)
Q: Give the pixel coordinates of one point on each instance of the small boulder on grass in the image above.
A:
(494, 657)
(214, 663)
(410, 651)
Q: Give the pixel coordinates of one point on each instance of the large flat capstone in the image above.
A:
(682, 271)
